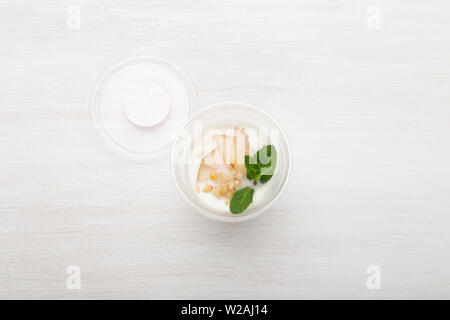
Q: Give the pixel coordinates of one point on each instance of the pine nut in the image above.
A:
(223, 190)
(207, 188)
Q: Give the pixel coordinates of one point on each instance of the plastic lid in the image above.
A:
(139, 104)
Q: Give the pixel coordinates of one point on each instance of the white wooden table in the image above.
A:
(362, 89)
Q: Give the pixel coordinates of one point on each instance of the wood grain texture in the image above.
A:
(366, 110)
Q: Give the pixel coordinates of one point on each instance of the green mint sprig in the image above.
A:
(260, 166)
(253, 168)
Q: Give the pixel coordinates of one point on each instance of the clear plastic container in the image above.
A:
(229, 114)
(138, 105)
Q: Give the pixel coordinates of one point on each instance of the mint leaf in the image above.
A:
(241, 200)
(267, 159)
(265, 178)
(253, 168)
(261, 165)
(266, 154)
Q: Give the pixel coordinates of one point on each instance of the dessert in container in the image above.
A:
(229, 114)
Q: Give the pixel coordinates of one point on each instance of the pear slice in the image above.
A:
(225, 145)
(233, 148)
(228, 157)
(241, 146)
(212, 162)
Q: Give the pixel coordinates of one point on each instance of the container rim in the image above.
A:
(96, 92)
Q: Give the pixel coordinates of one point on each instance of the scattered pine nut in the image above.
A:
(213, 175)
(207, 188)
(223, 190)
